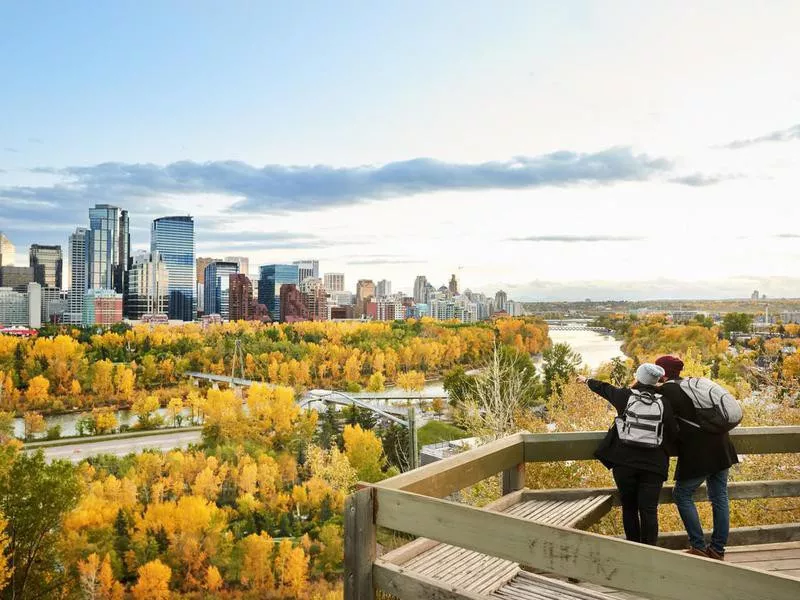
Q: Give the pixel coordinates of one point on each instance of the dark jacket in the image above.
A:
(612, 452)
(700, 452)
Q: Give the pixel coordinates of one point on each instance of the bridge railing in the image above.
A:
(412, 503)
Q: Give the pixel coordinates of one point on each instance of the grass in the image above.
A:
(434, 432)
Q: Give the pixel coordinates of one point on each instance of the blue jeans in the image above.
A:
(717, 486)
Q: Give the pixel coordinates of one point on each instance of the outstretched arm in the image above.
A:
(618, 397)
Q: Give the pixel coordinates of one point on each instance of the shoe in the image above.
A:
(697, 552)
(711, 553)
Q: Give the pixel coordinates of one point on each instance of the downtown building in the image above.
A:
(306, 269)
(23, 309)
(173, 238)
(243, 306)
(101, 307)
(78, 271)
(147, 295)
(8, 253)
(16, 278)
(271, 279)
(315, 297)
(365, 291)
(383, 289)
(334, 282)
(292, 307)
(109, 248)
(216, 288)
(47, 263)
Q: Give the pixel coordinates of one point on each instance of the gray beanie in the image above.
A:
(649, 374)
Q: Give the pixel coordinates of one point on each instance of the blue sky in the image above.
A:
(541, 147)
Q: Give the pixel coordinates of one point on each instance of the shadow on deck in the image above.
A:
(529, 544)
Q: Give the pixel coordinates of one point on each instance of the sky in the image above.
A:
(607, 150)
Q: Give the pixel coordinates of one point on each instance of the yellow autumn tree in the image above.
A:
(5, 569)
(213, 580)
(153, 582)
(292, 568)
(124, 382)
(256, 571)
(103, 379)
(364, 452)
(34, 423)
(37, 394)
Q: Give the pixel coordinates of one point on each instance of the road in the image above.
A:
(80, 450)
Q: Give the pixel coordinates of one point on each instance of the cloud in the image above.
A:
(280, 188)
(35, 140)
(787, 235)
(577, 238)
(700, 180)
(779, 135)
(10, 149)
(386, 261)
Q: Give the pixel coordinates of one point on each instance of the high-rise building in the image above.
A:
(109, 249)
(242, 261)
(271, 278)
(148, 284)
(34, 305)
(420, 289)
(307, 268)
(78, 270)
(173, 239)
(202, 262)
(755, 295)
(500, 301)
(315, 298)
(16, 278)
(8, 254)
(13, 307)
(54, 305)
(217, 288)
(292, 307)
(389, 309)
(241, 298)
(384, 288)
(365, 290)
(453, 285)
(102, 307)
(334, 282)
(47, 263)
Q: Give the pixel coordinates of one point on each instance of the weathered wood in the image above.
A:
(737, 490)
(739, 536)
(398, 582)
(359, 545)
(514, 478)
(545, 447)
(444, 477)
(633, 567)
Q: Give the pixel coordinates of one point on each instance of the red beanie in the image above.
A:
(672, 366)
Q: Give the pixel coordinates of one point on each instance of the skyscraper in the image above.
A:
(292, 307)
(78, 281)
(109, 248)
(365, 290)
(334, 282)
(272, 277)
(47, 263)
(307, 268)
(173, 239)
(148, 283)
(7, 251)
(16, 278)
(241, 298)
(202, 263)
(384, 288)
(242, 261)
(453, 285)
(217, 288)
(500, 300)
(420, 289)
(315, 298)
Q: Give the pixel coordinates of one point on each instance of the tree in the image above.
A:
(376, 382)
(412, 381)
(559, 364)
(34, 423)
(153, 583)
(34, 497)
(124, 382)
(5, 567)
(292, 567)
(437, 405)
(103, 420)
(365, 453)
(96, 579)
(256, 571)
(736, 321)
(213, 579)
(102, 379)
(145, 410)
(37, 393)
(174, 408)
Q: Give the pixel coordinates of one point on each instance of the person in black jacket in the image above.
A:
(638, 472)
(702, 457)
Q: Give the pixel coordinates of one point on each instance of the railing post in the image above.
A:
(359, 545)
(514, 478)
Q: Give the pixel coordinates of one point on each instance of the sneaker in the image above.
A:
(711, 553)
(697, 552)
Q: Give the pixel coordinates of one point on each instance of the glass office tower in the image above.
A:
(47, 263)
(173, 238)
(217, 286)
(271, 278)
(109, 247)
(78, 281)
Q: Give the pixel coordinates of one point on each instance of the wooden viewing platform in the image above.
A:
(530, 544)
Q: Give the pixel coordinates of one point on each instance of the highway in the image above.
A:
(82, 449)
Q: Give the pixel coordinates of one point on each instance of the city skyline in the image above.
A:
(548, 151)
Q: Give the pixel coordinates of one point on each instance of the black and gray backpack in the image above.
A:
(642, 423)
(716, 410)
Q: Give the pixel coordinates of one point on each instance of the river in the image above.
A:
(595, 349)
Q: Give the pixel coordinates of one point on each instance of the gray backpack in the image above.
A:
(716, 410)
(642, 423)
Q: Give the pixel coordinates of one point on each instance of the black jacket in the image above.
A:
(612, 452)
(700, 452)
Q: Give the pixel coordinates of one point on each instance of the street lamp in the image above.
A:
(410, 423)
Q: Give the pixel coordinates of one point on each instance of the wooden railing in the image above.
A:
(412, 503)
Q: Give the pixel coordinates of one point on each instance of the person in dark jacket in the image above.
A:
(638, 472)
(702, 457)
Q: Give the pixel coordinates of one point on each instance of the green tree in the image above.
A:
(736, 321)
(34, 497)
(559, 364)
